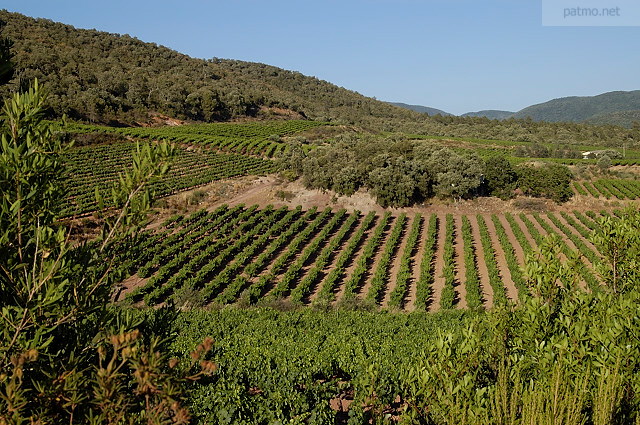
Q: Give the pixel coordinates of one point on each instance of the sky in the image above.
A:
(454, 55)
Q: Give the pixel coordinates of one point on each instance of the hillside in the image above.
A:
(102, 77)
(421, 109)
(624, 118)
(99, 77)
(492, 114)
(578, 109)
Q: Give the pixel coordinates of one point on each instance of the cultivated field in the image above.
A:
(397, 261)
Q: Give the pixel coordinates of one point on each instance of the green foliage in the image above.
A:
(618, 240)
(551, 181)
(448, 297)
(381, 274)
(424, 285)
(500, 177)
(261, 138)
(495, 280)
(472, 280)
(65, 356)
(403, 277)
(6, 56)
(93, 168)
(396, 172)
(100, 77)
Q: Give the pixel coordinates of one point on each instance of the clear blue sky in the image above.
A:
(455, 55)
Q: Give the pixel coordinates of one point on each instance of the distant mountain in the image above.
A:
(492, 114)
(623, 118)
(586, 108)
(421, 109)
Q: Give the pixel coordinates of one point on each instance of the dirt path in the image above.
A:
(572, 246)
(438, 277)
(460, 267)
(537, 225)
(560, 233)
(573, 230)
(483, 271)
(364, 289)
(127, 286)
(395, 263)
(331, 264)
(412, 290)
(291, 260)
(510, 287)
(311, 262)
(517, 248)
(351, 264)
(525, 231)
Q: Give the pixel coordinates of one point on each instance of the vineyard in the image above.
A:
(608, 188)
(404, 262)
(261, 138)
(97, 167)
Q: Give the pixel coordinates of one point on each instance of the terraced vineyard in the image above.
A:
(260, 138)
(608, 188)
(404, 262)
(94, 167)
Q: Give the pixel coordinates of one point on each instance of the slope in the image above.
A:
(582, 108)
(102, 77)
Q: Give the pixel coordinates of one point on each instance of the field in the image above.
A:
(609, 188)
(399, 261)
(261, 139)
(323, 253)
(94, 168)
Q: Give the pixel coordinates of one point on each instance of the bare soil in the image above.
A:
(438, 278)
(364, 289)
(395, 263)
(351, 264)
(271, 189)
(410, 300)
(461, 268)
(483, 271)
(505, 273)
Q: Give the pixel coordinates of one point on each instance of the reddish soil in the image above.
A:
(395, 263)
(264, 190)
(461, 268)
(331, 264)
(510, 287)
(351, 264)
(362, 292)
(575, 232)
(297, 255)
(524, 229)
(517, 248)
(410, 300)
(438, 278)
(483, 271)
(128, 285)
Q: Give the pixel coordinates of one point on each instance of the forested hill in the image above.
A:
(422, 109)
(98, 76)
(491, 114)
(116, 79)
(585, 108)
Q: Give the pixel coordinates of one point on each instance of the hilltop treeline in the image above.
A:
(97, 76)
(109, 78)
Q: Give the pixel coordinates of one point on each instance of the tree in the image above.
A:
(618, 240)
(604, 163)
(6, 65)
(500, 177)
(65, 356)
